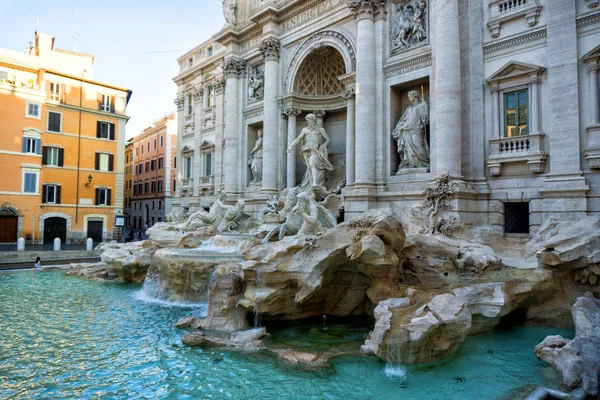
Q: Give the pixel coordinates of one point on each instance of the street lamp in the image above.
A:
(89, 180)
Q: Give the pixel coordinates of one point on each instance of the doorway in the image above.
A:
(55, 227)
(94, 231)
(8, 228)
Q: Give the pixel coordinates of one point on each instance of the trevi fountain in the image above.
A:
(367, 253)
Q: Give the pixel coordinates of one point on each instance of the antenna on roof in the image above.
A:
(76, 20)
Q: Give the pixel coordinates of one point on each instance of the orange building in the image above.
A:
(62, 139)
(153, 175)
(128, 182)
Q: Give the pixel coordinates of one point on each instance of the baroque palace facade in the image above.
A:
(501, 94)
(62, 146)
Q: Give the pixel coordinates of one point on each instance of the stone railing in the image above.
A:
(186, 182)
(502, 11)
(207, 181)
(526, 148)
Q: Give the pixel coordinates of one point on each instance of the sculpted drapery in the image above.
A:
(410, 134)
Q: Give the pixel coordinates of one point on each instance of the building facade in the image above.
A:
(128, 193)
(63, 136)
(500, 94)
(153, 172)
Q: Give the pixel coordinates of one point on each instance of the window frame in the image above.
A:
(47, 186)
(104, 105)
(48, 121)
(187, 167)
(515, 90)
(54, 94)
(36, 173)
(39, 110)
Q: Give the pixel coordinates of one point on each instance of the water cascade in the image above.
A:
(393, 367)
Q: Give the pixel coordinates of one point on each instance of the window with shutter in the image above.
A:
(103, 162)
(31, 145)
(30, 182)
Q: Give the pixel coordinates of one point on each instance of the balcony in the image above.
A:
(502, 11)
(517, 149)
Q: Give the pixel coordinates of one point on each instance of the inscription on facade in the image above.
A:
(309, 14)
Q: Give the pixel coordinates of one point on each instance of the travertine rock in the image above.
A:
(223, 315)
(188, 322)
(129, 260)
(577, 360)
(247, 339)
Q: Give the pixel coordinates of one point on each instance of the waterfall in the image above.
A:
(324, 328)
(256, 315)
(393, 366)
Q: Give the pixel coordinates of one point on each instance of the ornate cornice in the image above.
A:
(405, 66)
(588, 20)
(366, 8)
(234, 67)
(515, 41)
(270, 49)
(349, 93)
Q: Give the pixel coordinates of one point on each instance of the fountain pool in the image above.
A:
(63, 337)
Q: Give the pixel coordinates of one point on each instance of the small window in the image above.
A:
(159, 207)
(146, 188)
(190, 62)
(147, 166)
(154, 144)
(162, 142)
(190, 104)
(153, 189)
(174, 184)
(103, 197)
(31, 145)
(51, 194)
(54, 91)
(209, 51)
(54, 121)
(208, 164)
(140, 188)
(516, 217)
(136, 151)
(516, 113)
(153, 165)
(30, 182)
(142, 148)
(148, 146)
(104, 162)
(160, 188)
(187, 168)
(209, 97)
(175, 162)
(32, 110)
(160, 163)
(153, 204)
(105, 130)
(105, 103)
(53, 156)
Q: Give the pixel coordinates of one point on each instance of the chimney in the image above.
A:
(44, 43)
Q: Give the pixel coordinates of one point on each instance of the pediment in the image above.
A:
(187, 149)
(593, 54)
(515, 69)
(207, 144)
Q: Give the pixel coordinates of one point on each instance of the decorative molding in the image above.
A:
(256, 83)
(406, 66)
(219, 86)
(234, 67)
(515, 41)
(588, 20)
(179, 101)
(291, 111)
(269, 48)
(515, 69)
(592, 3)
(198, 92)
(305, 12)
(365, 8)
(334, 38)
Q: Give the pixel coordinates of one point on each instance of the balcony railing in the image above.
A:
(207, 181)
(526, 148)
(502, 11)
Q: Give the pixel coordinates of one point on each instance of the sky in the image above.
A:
(136, 43)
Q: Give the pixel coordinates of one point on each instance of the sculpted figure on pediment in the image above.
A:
(229, 7)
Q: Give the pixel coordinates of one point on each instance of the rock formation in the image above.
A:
(577, 360)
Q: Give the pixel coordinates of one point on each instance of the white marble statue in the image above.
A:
(213, 216)
(316, 218)
(410, 134)
(232, 216)
(256, 159)
(229, 7)
(313, 153)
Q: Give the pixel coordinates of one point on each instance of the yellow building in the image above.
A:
(62, 141)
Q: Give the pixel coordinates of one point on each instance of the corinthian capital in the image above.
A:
(365, 8)
(270, 49)
(291, 111)
(234, 67)
(179, 101)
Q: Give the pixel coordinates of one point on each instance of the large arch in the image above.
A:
(336, 38)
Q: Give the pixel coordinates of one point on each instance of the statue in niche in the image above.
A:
(409, 24)
(229, 7)
(256, 159)
(256, 83)
(410, 134)
(313, 153)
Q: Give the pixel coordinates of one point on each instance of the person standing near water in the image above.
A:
(38, 263)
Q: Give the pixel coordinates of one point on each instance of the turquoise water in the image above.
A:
(68, 338)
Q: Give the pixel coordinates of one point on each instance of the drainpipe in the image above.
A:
(79, 148)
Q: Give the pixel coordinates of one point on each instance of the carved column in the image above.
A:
(219, 118)
(364, 11)
(495, 111)
(320, 114)
(291, 113)
(270, 50)
(232, 68)
(179, 100)
(447, 90)
(349, 95)
(535, 104)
